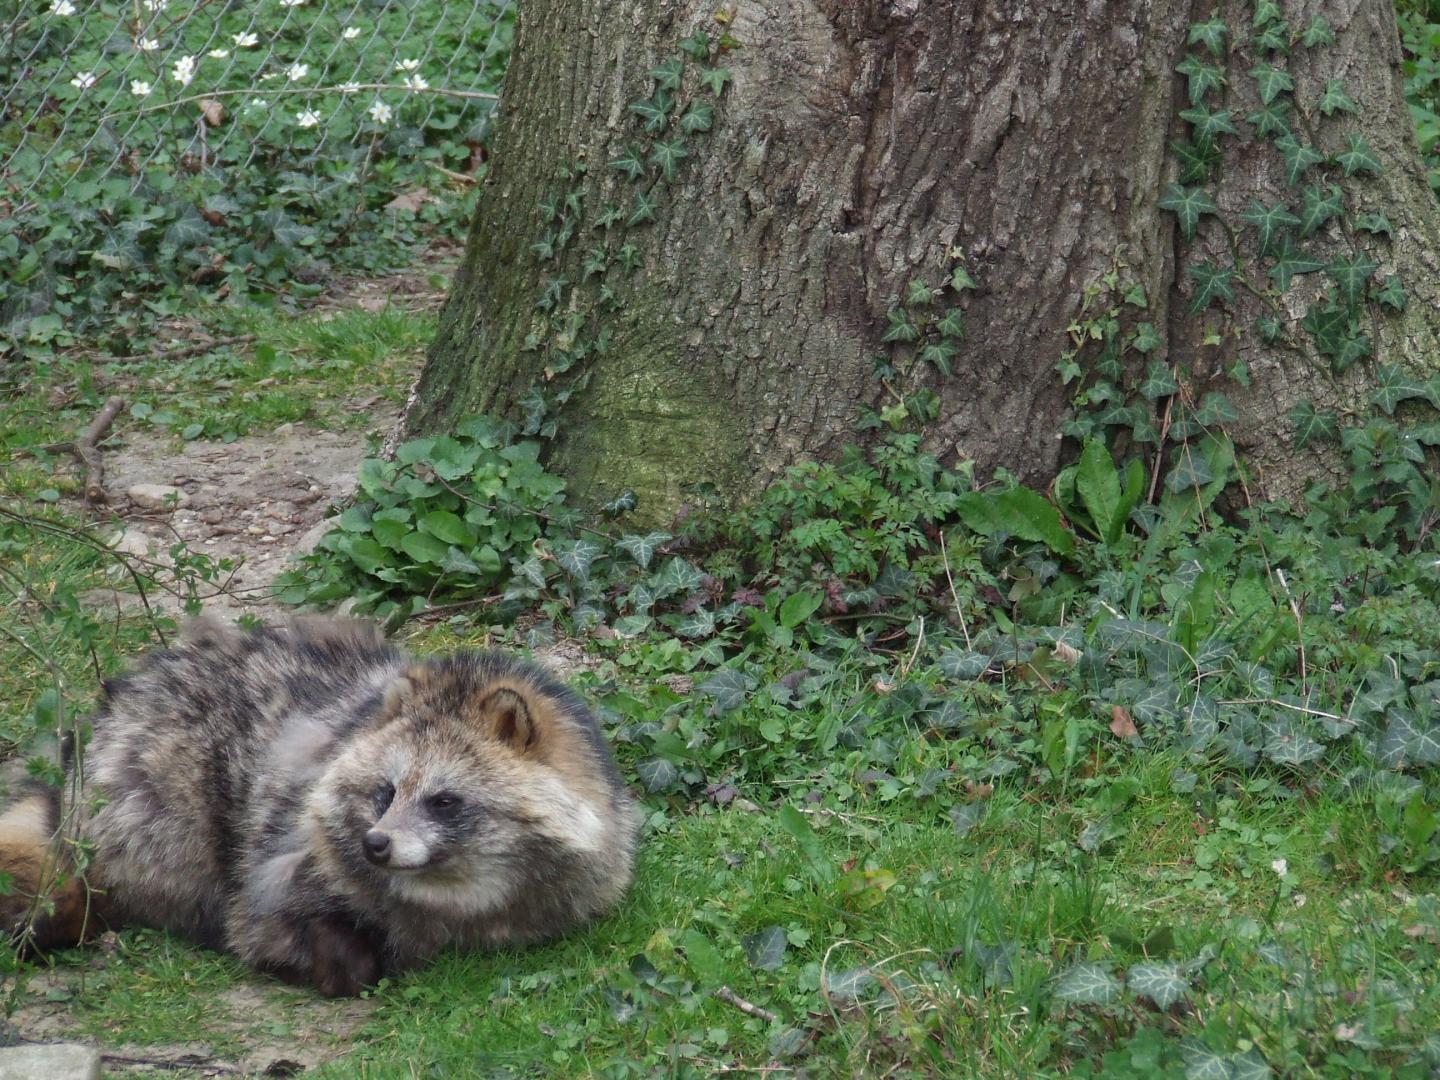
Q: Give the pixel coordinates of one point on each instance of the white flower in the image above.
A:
(417, 82)
(184, 70)
(407, 65)
(246, 40)
(1280, 866)
(138, 88)
(83, 80)
(351, 33)
(218, 54)
(1299, 899)
(296, 72)
(154, 5)
(380, 113)
(62, 7)
(258, 103)
(307, 119)
(348, 87)
(148, 44)
(291, 3)
(269, 75)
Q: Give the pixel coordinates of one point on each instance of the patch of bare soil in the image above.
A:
(255, 1028)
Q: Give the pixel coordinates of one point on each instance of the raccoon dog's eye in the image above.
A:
(445, 803)
(384, 796)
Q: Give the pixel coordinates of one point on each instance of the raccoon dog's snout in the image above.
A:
(377, 847)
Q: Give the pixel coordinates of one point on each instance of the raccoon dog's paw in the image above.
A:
(343, 961)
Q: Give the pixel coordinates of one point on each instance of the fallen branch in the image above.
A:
(184, 352)
(87, 451)
(749, 1008)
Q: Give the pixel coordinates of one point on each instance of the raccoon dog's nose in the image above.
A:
(377, 847)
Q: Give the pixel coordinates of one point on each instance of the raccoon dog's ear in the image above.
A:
(509, 716)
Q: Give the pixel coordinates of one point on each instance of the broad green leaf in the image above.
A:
(766, 949)
(952, 325)
(1164, 984)
(667, 75)
(642, 210)
(1289, 261)
(1319, 205)
(1266, 11)
(1018, 511)
(1271, 119)
(715, 79)
(577, 557)
(700, 116)
(668, 155)
(1393, 384)
(1159, 380)
(1187, 204)
(1212, 282)
(1195, 161)
(800, 606)
(1088, 983)
(1207, 125)
(1215, 409)
(960, 278)
(443, 525)
(729, 687)
(1376, 223)
(1328, 324)
(629, 163)
(1210, 33)
(1351, 276)
(1317, 33)
(1311, 425)
(1271, 82)
(1335, 99)
(1274, 38)
(703, 958)
(819, 865)
(1145, 339)
(424, 548)
(1202, 1063)
(1358, 157)
(1299, 157)
(642, 548)
(697, 45)
(900, 328)
(654, 111)
(1098, 483)
(657, 774)
(1268, 221)
(1391, 294)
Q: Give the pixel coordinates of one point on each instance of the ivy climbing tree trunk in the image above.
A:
(706, 249)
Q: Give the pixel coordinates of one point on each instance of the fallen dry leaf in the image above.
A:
(1120, 723)
(411, 200)
(212, 111)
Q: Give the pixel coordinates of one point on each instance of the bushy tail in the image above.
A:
(48, 904)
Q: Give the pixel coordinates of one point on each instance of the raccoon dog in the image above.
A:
(329, 809)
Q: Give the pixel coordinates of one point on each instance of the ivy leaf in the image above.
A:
(1270, 120)
(765, 950)
(1207, 125)
(960, 278)
(1352, 347)
(1270, 328)
(1191, 471)
(918, 294)
(1268, 221)
(629, 163)
(657, 774)
(1328, 324)
(1212, 282)
(1271, 82)
(1211, 34)
(667, 75)
(643, 209)
(1319, 206)
(577, 558)
(1195, 161)
(1393, 385)
(1317, 33)
(1202, 1063)
(715, 79)
(642, 548)
(697, 44)
(1335, 99)
(1088, 983)
(1351, 275)
(1146, 339)
(939, 354)
(668, 156)
(1311, 425)
(698, 117)
(1265, 11)
(653, 110)
(729, 687)
(1275, 38)
(1289, 261)
(1376, 224)
(952, 325)
(1187, 204)
(1202, 77)
(1215, 409)
(1358, 157)
(699, 624)
(1159, 381)
(1161, 983)
(678, 577)
(1392, 295)
(1298, 157)
(900, 328)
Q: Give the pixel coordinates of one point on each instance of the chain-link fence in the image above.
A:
(195, 84)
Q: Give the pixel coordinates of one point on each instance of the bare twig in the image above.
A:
(945, 558)
(86, 451)
(1299, 623)
(749, 1008)
(184, 352)
(458, 177)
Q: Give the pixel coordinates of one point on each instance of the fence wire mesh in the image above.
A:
(106, 87)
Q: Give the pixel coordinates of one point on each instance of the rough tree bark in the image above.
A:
(857, 142)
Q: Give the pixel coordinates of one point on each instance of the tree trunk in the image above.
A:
(861, 146)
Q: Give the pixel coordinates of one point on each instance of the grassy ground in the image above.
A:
(1124, 912)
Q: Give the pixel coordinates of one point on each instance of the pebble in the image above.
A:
(50, 1061)
(157, 496)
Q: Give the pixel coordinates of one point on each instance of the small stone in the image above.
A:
(213, 516)
(52, 1061)
(157, 496)
(132, 542)
(312, 536)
